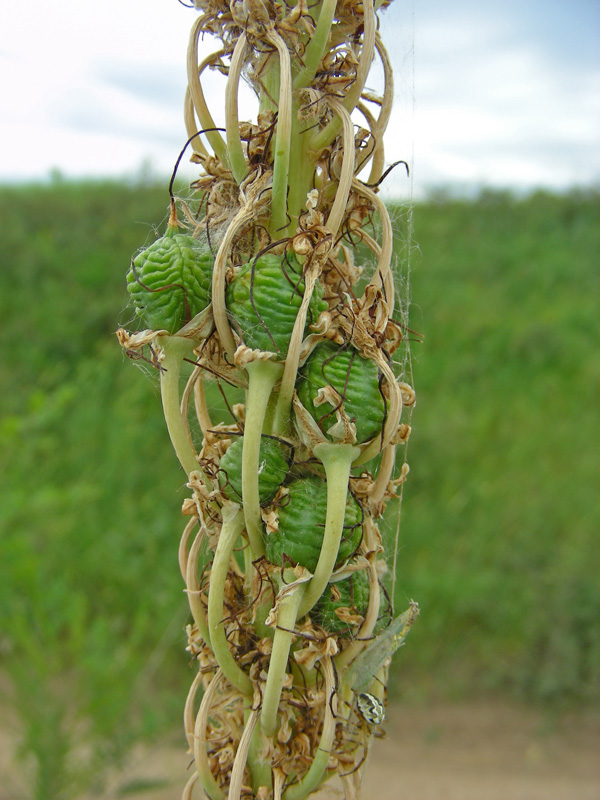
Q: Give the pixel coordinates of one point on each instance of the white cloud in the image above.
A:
(98, 88)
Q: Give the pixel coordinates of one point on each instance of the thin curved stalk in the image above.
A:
(338, 209)
(383, 275)
(287, 613)
(200, 407)
(366, 154)
(330, 131)
(189, 787)
(281, 421)
(262, 377)
(193, 74)
(235, 152)
(317, 47)
(341, 660)
(386, 467)
(384, 115)
(205, 775)
(191, 125)
(183, 546)
(241, 757)
(278, 783)
(314, 776)
(193, 589)
(337, 460)
(394, 412)
(184, 408)
(233, 524)
(188, 711)
(219, 283)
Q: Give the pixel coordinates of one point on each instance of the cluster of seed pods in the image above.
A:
(279, 283)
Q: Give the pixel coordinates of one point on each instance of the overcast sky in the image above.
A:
(504, 93)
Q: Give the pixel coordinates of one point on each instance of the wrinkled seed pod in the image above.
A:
(353, 594)
(302, 526)
(356, 381)
(273, 467)
(264, 298)
(170, 281)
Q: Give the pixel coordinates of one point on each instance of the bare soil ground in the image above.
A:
(475, 751)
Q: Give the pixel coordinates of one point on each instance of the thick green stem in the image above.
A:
(302, 168)
(269, 82)
(317, 47)
(175, 349)
(281, 161)
(260, 767)
(262, 377)
(287, 611)
(337, 460)
(233, 524)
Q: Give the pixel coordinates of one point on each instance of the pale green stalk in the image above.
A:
(328, 134)
(262, 377)
(205, 775)
(204, 115)
(287, 613)
(175, 349)
(317, 46)
(235, 153)
(233, 524)
(337, 460)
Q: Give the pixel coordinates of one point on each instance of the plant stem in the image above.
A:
(287, 611)
(318, 45)
(175, 349)
(235, 153)
(193, 587)
(209, 784)
(262, 377)
(193, 74)
(337, 460)
(281, 161)
(328, 134)
(237, 773)
(233, 524)
(282, 418)
(314, 776)
(302, 167)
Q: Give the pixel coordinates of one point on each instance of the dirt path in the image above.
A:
(479, 751)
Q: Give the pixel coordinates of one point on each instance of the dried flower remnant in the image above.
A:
(291, 297)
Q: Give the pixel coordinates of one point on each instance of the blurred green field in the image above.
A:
(499, 538)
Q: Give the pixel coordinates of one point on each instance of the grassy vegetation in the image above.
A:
(499, 534)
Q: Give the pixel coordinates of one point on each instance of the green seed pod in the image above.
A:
(355, 381)
(351, 593)
(302, 525)
(264, 298)
(273, 467)
(170, 281)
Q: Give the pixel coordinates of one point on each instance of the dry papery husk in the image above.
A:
(215, 726)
